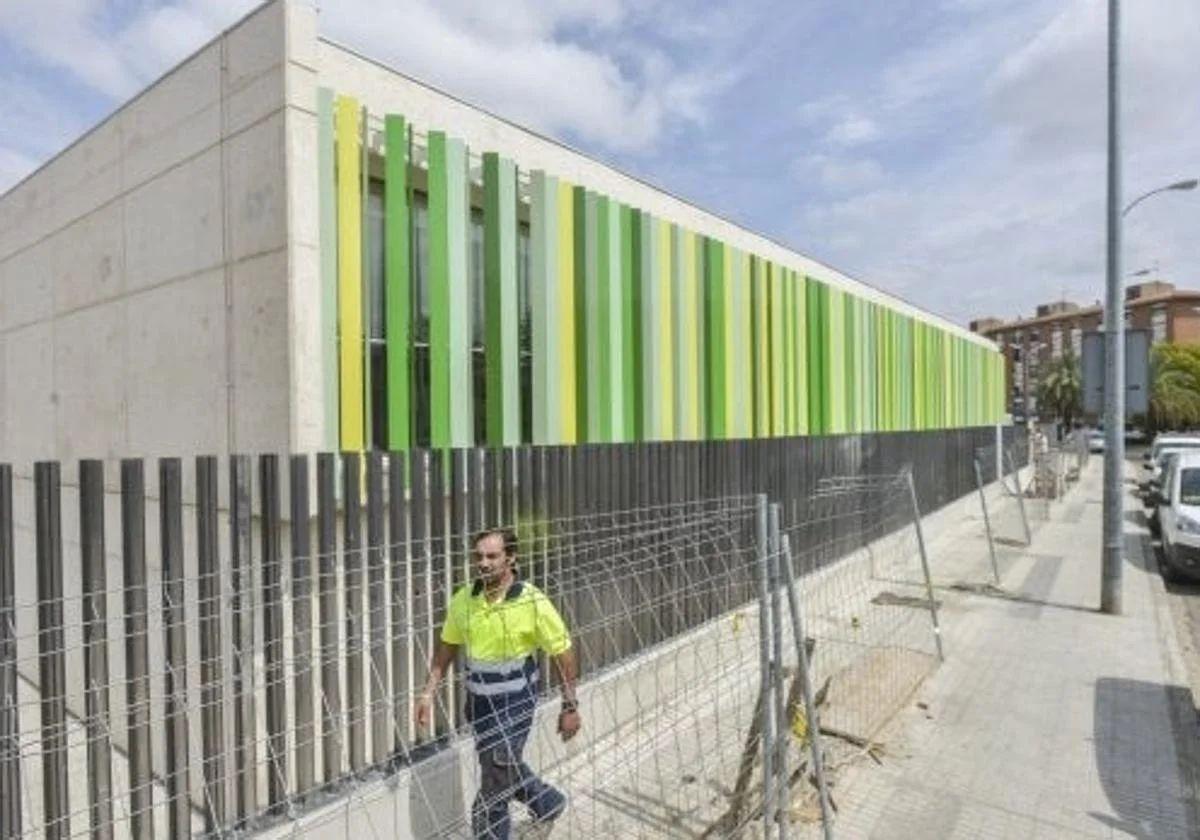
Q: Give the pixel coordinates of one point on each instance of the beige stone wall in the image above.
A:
(144, 298)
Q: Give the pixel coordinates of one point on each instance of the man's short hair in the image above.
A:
(507, 534)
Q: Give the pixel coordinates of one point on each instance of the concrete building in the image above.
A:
(205, 271)
(1057, 328)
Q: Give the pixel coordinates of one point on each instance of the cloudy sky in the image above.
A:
(948, 151)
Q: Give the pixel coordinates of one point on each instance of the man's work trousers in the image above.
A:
(501, 724)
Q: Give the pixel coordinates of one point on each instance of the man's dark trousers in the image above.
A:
(501, 724)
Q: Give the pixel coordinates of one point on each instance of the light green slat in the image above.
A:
(502, 350)
(450, 381)
(368, 267)
(651, 351)
(584, 244)
(593, 379)
(327, 207)
(780, 391)
(611, 319)
(742, 370)
(760, 309)
(682, 355)
(543, 231)
(801, 351)
(631, 334)
(397, 271)
(715, 338)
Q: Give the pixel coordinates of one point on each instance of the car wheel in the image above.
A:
(1168, 571)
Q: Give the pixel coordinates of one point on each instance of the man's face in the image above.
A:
(490, 560)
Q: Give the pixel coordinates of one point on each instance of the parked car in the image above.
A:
(1179, 517)
(1151, 497)
(1152, 460)
(1095, 440)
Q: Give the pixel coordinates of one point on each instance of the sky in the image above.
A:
(950, 152)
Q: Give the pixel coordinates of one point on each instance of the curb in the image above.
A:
(1185, 722)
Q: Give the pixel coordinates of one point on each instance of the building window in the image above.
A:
(1056, 344)
(373, 326)
(1076, 342)
(1158, 325)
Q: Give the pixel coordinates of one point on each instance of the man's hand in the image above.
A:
(423, 709)
(569, 723)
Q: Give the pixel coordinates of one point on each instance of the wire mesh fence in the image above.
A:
(210, 648)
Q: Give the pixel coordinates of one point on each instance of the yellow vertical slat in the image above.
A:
(349, 231)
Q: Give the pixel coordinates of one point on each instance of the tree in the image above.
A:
(1175, 385)
(1060, 388)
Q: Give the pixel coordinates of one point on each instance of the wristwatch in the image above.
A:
(570, 706)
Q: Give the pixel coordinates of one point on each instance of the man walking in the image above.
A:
(503, 621)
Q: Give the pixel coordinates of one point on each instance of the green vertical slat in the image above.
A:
(607, 372)
(799, 349)
(327, 205)
(681, 358)
(631, 268)
(700, 255)
(850, 337)
(812, 292)
(592, 377)
(714, 318)
(647, 313)
(773, 282)
(543, 231)
(760, 340)
(397, 271)
(583, 336)
(742, 369)
(450, 377)
(787, 355)
(501, 348)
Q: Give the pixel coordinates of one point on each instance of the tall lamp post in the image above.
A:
(1114, 335)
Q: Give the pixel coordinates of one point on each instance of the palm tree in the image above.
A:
(1175, 385)
(1060, 388)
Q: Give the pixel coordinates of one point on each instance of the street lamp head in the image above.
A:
(1189, 184)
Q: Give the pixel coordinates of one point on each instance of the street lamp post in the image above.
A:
(1114, 342)
(1189, 184)
(1114, 336)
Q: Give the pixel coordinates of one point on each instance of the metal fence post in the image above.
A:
(352, 571)
(211, 691)
(95, 647)
(10, 724)
(272, 623)
(766, 677)
(987, 521)
(302, 628)
(327, 570)
(1020, 494)
(780, 764)
(245, 722)
(810, 706)
(381, 742)
(51, 665)
(137, 651)
(175, 713)
(916, 512)
(401, 595)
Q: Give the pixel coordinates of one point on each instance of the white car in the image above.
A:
(1179, 517)
(1154, 457)
(1095, 441)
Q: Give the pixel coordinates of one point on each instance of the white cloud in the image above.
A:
(566, 67)
(838, 173)
(1009, 211)
(853, 130)
(532, 71)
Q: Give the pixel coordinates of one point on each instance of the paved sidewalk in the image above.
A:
(1048, 719)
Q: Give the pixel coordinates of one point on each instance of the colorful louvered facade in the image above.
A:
(591, 320)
